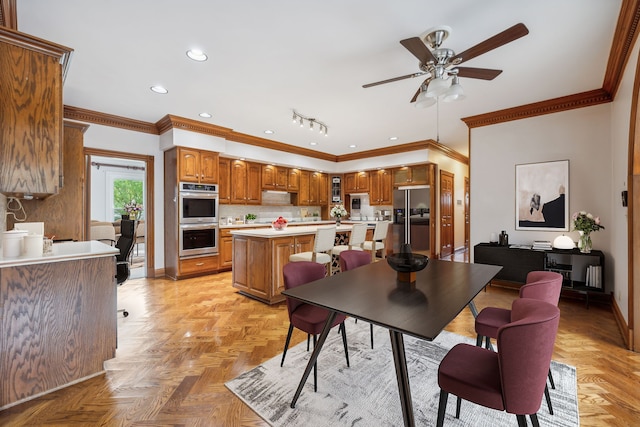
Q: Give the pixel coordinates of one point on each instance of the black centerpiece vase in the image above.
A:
(406, 264)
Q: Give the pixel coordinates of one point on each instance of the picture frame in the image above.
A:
(542, 196)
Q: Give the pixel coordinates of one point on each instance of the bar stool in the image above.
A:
(323, 243)
(376, 244)
(356, 240)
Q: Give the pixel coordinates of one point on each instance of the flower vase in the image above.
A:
(338, 221)
(584, 242)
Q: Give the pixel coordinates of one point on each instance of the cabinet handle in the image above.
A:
(199, 264)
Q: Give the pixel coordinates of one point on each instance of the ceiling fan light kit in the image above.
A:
(438, 64)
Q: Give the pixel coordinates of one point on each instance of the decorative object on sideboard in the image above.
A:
(337, 212)
(563, 242)
(585, 223)
(133, 209)
(503, 238)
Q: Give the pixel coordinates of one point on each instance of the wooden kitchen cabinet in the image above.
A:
(31, 114)
(381, 192)
(225, 249)
(313, 189)
(197, 166)
(245, 180)
(198, 266)
(293, 179)
(224, 178)
(274, 177)
(412, 175)
(356, 182)
(323, 189)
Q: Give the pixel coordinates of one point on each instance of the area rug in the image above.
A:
(366, 394)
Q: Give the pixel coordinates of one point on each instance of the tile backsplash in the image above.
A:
(268, 213)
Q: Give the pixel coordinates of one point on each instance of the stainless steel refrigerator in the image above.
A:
(411, 218)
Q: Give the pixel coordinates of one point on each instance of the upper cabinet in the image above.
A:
(314, 189)
(412, 175)
(31, 114)
(356, 182)
(293, 180)
(381, 188)
(245, 182)
(197, 166)
(274, 177)
(224, 178)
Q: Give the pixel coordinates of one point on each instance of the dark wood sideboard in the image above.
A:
(583, 273)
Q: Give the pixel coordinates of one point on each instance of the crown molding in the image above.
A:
(75, 125)
(428, 144)
(280, 146)
(175, 122)
(564, 103)
(624, 37)
(83, 115)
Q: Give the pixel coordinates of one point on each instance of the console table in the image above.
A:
(583, 273)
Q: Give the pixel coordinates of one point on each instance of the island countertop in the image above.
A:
(299, 230)
(63, 251)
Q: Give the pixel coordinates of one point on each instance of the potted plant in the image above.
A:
(316, 216)
(250, 218)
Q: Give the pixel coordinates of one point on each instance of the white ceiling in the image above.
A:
(269, 57)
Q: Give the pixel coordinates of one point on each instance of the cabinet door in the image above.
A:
(304, 243)
(238, 182)
(293, 181)
(208, 167)
(362, 181)
(350, 183)
(241, 267)
(314, 184)
(323, 189)
(31, 111)
(269, 177)
(374, 192)
(282, 176)
(226, 252)
(224, 176)
(254, 188)
(188, 165)
(303, 193)
(401, 176)
(420, 174)
(386, 187)
(259, 261)
(282, 248)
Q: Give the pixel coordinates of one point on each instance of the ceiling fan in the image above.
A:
(439, 63)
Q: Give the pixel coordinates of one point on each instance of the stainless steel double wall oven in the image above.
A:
(198, 216)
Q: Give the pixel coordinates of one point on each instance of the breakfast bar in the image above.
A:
(259, 255)
(58, 318)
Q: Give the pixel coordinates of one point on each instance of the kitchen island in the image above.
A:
(58, 319)
(260, 254)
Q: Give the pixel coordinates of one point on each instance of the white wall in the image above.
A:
(583, 136)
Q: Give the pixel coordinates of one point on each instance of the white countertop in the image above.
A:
(270, 233)
(64, 251)
(268, 224)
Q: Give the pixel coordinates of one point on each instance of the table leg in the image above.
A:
(402, 375)
(474, 310)
(314, 355)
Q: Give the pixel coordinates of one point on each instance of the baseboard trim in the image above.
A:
(627, 334)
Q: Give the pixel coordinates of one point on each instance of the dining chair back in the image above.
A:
(512, 380)
(357, 236)
(306, 317)
(125, 245)
(351, 259)
(377, 242)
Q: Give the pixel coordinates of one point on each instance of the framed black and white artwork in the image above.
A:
(542, 196)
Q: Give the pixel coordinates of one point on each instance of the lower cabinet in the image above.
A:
(225, 249)
(258, 263)
(198, 266)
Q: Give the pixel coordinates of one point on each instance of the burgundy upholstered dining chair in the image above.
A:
(354, 258)
(514, 378)
(306, 317)
(541, 285)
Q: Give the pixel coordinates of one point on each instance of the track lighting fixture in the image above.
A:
(300, 119)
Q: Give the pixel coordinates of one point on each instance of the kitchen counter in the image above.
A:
(299, 230)
(63, 251)
(268, 224)
(59, 319)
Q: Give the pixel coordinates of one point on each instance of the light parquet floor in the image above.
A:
(184, 339)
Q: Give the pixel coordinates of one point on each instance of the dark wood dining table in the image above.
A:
(371, 293)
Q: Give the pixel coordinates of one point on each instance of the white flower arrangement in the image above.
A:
(338, 211)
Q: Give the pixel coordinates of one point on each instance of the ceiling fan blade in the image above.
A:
(478, 73)
(418, 49)
(395, 79)
(500, 39)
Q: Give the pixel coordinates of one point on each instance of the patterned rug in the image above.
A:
(366, 394)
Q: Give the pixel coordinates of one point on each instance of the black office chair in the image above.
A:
(125, 243)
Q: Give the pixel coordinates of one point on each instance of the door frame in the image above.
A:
(149, 197)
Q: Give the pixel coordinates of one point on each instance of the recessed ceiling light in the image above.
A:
(352, 146)
(269, 132)
(205, 115)
(313, 143)
(197, 55)
(393, 138)
(159, 89)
